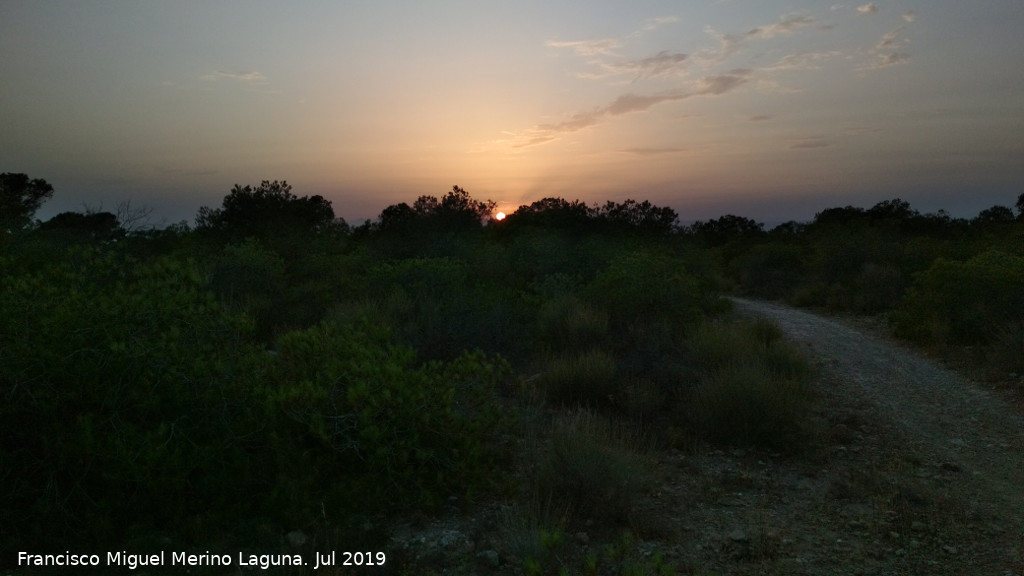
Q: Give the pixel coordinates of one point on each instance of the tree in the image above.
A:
(895, 209)
(266, 210)
(551, 213)
(89, 227)
(727, 228)
(20, 198)
(639, 216)
(1020, 207)
(993, 215)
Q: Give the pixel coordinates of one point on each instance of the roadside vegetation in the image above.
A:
(273, 368)
(951, 285)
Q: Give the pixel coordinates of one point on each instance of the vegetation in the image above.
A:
(273, 366)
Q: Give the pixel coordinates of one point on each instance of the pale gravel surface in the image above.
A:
(940, 415)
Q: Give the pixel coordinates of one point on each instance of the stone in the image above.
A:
(738, 536)
(296, 538)
(490, 558)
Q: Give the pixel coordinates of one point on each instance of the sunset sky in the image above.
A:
(767, 109)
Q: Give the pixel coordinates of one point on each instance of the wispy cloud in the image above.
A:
(909, 16)
(588, 47)
(625, 104)
(730, 44)
(653, 24)
(886, 60)
(608, 46)
(244, 76)
(810, 143)
(660, 64)
(887, 51)
(803, 60)
(604, 57)
(787, 25)
(652, 151)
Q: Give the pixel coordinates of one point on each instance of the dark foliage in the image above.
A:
(89, 227)
(20, 198)
(266, 210)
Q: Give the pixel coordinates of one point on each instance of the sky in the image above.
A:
(769, 109)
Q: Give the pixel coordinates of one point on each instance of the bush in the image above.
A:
(638, 287)
(377, 430)
(586, 379)
(966, 302)
(593, 466)
(566, 323)
(751, 385)
(126, 388)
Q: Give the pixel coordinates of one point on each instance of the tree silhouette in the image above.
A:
(20, 198)
(1020, 207)
(88, 227)
(727, 228)
(994, 215)
(456, 210)
(265, 210)
(640, 216)
(552, 213)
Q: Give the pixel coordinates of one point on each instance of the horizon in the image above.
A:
(773, 111)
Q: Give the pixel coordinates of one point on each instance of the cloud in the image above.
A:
(716, 85)
(886, 52)
(652, 151)
(607, 46)
(759, 118)
(869, 8)
(660, 64)
(588, 47)
(245, 76)
(786, 26)
(803, 61)
(729, 44)
(626, 104)
(886, 60)
(909, 16)
(654, 23)
(809, 143)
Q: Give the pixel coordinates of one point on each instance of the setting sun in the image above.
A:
(499, 216)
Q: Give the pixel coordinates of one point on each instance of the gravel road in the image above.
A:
(940, 415)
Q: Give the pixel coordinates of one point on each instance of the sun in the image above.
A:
(499, 216)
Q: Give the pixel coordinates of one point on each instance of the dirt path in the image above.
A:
(939, 415)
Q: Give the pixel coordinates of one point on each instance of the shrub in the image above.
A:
(126, 388)
(638, 287)
(594, 466)
(566, 323)
(585, 378)
(751, 385)
(769, 270)
(378, 430)
(252, 278)
(962, 302)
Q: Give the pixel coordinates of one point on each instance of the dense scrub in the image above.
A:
(293, 372)
(942, 282)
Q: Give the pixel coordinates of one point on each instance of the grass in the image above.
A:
(594, 465)
(752, 386)
(583, 379)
